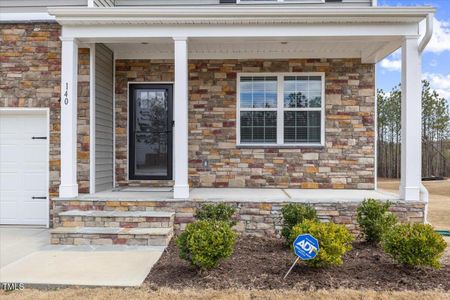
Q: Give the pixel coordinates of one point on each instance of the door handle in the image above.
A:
(34, 197)
(39, 138)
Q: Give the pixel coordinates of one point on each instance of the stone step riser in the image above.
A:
(105, 221)
(110, 239)
(61, 206)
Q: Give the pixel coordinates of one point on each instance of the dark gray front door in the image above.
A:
(150, 126)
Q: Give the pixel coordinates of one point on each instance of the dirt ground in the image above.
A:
(260, 263)
(439, 200)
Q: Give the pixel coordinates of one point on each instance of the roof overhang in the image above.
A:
(248, 14)
(246, 31)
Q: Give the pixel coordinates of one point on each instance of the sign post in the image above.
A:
(306, 247)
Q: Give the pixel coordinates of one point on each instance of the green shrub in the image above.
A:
(374, 219)
(294, 214)
(216, 212)
(334, 241)
(414, 245)
(206, 242)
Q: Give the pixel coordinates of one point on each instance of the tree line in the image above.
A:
(435, 133)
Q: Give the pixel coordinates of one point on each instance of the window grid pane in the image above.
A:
(302, 127)
(258, 92)
(258, 127)
(302, 91)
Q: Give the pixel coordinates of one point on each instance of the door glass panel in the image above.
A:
(152, 132)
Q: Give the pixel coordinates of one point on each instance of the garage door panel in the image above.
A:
(34, 182)
(23, 168)
(9, 181)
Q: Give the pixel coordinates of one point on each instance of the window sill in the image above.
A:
(244, 146)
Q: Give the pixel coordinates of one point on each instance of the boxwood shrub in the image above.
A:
(216, 212)
(294, 214)
(414, 245)
(334, 241)
(374, 219)
(205, 243)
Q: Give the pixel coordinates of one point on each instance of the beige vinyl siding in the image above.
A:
(103, 118)
(36, 6)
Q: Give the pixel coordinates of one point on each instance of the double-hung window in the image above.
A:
(281, 109)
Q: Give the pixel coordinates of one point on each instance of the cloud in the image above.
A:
(440, 83)
(440, 41)
(391, 64)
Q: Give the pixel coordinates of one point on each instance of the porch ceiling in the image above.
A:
(245, 32)
(369, 49)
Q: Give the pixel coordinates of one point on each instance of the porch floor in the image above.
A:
(243, 195)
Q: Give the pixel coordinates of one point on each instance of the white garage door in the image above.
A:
(23, 167)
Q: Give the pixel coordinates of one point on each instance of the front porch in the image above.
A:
(341, 156)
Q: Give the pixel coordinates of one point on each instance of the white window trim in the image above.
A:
(280, 110)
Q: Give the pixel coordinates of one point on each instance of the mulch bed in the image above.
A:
(261, 263)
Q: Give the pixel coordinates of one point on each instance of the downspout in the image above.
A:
(428, 32)
(423, 43)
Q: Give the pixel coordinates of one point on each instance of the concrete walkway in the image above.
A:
(242, 195)
(26, 257)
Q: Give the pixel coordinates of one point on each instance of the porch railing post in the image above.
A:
(411, 120)
(69, 70)
(180, 145)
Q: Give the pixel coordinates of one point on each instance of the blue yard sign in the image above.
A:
(305, 247)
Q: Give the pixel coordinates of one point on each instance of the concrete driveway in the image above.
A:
(26, 257)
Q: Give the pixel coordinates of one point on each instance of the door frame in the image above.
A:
(130, 141)
(40, 111)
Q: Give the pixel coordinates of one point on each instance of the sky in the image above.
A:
(436, 57)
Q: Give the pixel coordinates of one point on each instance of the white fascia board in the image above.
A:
(129, 33)
(285, 14)
(25, 17)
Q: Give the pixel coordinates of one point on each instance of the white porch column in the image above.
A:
(69, 66)
(411, 118)
(180, 115)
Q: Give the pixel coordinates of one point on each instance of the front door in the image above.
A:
(150, 131)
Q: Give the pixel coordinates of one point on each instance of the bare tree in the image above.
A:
(435, 133)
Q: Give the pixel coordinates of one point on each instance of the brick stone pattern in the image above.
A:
(110, 221)
(346, 161)
(130, 239)
(253, 218)
(83, 137)
(30, 57)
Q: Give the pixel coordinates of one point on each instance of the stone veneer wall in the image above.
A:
(30, 58)
(346, 161)
(254, 218)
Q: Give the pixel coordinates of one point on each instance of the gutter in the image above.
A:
(428, 33)
(240, 11)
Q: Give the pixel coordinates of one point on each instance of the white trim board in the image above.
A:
(280, 110)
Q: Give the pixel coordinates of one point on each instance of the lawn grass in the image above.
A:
(145, 293)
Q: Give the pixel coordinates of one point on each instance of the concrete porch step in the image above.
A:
(111, 236)
(114, 218)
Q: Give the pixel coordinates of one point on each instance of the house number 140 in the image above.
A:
(66, 93)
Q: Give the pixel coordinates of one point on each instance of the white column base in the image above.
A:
(410, 193)
(68, 191)
(181, 192)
